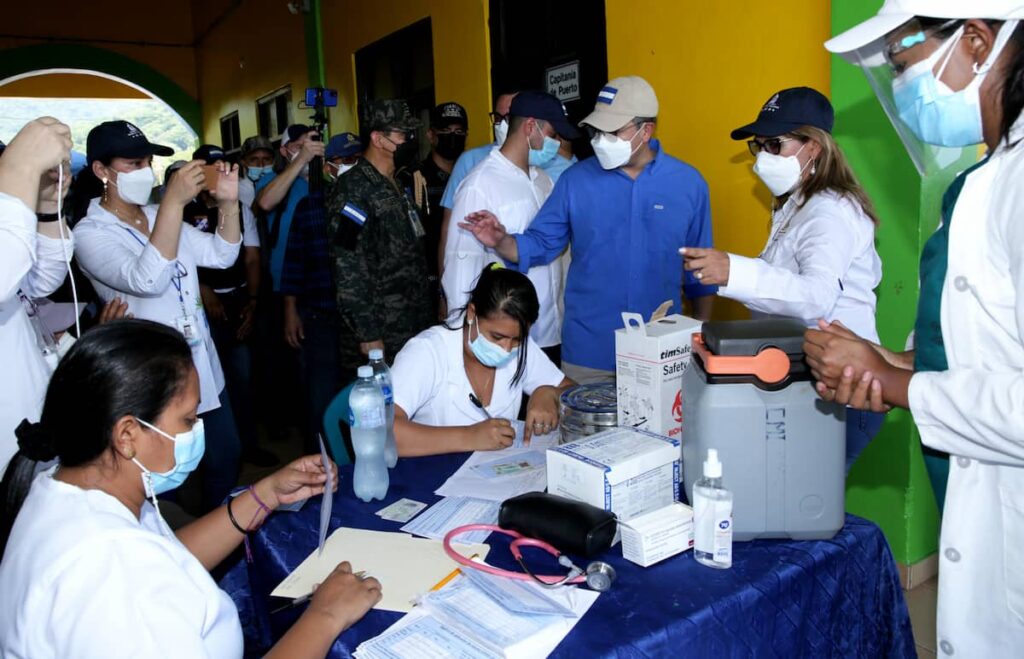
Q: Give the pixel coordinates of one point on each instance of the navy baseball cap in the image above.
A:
(211, 153)
(343, 146)
(446, 114)
(541, 105)
(788, 110)
(120, 139)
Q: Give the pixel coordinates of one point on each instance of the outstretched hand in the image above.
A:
(485, 226)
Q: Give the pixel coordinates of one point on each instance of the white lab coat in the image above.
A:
(36, 265)
(496, 184)
(82, 577)
(121, 261)
(432, 388)
(975, 412)
(819, 262)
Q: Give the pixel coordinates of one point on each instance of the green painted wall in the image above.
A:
(888, 484)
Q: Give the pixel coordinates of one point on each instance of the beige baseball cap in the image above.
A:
(620, 101)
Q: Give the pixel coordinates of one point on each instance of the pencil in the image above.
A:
(454, 573)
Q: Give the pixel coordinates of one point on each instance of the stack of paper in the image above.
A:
(500, 475)
(451, 512)
(406, 566)
(481, 615)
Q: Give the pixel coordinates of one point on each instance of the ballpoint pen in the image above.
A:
(476, 401)
(298, 601)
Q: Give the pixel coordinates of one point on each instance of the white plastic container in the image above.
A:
(382, 374)
(712, 517)
(369, 432)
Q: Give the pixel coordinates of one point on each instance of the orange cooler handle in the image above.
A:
(771, 365)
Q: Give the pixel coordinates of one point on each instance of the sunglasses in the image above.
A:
(497, 118)
(772, 145)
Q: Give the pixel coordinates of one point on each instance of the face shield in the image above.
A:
(895, 55)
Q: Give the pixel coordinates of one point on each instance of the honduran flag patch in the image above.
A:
(607, 95)
(354, 213)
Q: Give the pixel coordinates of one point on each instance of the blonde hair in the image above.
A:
(831, 171)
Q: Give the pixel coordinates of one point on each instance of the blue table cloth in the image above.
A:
(834, 598)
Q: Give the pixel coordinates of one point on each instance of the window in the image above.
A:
(230, 134)
(274, 113)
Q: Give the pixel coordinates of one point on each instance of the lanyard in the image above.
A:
(179, 272)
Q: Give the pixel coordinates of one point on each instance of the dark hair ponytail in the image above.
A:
(84, 188)
(499, 290)
(1013, 85)
(122, 368)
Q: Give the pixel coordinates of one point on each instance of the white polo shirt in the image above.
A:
(431, 385)
(120, 261)
(820, 262)
(499, 186)
(82, 577)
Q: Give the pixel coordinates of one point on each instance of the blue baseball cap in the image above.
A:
(343, 146)
(544, 106)
(788, 110)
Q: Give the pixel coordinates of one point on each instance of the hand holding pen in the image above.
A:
(491, 434)
(340, 582)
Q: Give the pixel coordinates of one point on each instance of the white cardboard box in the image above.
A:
(629, 472)
(655, 536)
(649, 363)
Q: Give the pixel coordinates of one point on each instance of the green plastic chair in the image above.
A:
(338, 412)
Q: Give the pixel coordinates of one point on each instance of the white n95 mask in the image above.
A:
(136, 186)
(501, 132)
(780, 173)
(613, 151)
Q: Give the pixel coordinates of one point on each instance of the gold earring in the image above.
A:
(130, 454)
(104, 190)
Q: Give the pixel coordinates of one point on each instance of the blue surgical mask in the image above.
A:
(489, 354)
(256, 173)
(188, 451)
(935, 113)
(542, 156)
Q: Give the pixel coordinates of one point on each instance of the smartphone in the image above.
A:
(212, 176)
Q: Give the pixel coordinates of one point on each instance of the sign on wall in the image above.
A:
(563, 81)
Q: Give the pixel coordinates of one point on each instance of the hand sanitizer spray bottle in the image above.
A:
(712, 516)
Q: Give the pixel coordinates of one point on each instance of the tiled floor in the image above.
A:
(921, 602)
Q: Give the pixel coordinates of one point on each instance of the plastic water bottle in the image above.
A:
(383, 375)
(712, 516)
(369, 431)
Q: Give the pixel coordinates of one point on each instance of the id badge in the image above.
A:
(417, 226)
(189, 329)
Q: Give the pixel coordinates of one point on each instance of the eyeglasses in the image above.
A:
(452, 131)
(772, 145)
(497, 118)
(909, 41)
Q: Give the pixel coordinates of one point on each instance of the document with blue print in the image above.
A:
(450, 512)
(462, 620)
(500, 475)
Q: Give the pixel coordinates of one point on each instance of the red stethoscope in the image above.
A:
(598, 575)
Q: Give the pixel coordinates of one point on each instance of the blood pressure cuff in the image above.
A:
(571, 526)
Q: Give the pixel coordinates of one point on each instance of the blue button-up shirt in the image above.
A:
(625, 238)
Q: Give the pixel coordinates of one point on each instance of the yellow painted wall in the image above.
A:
(69, 85)
(461, 52)
(270, 42)
(713, 65)
(257, 48)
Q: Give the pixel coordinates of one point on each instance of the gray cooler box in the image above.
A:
(749, 394)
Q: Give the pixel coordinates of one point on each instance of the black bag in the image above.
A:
(572, 526)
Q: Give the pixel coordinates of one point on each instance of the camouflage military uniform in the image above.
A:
(380, 265)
